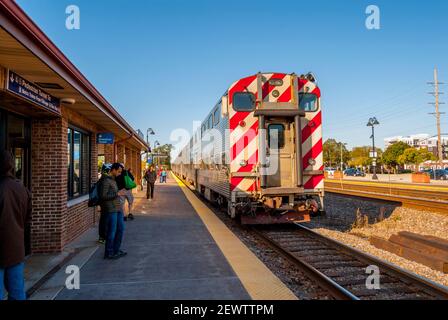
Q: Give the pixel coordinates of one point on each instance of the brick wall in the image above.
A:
(120, 153)
(54, 223)
(48, 184)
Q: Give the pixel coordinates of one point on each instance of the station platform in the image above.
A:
(177, 249)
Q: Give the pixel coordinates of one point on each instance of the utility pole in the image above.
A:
(342, 159)
(437, 113)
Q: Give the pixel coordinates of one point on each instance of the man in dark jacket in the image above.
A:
(150, 177)
(15, 213)
(109, 197)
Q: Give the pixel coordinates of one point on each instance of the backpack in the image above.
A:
(94, 199)
(128, 182)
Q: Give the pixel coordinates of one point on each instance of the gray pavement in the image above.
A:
(171, 255)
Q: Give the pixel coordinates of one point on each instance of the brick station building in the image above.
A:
(50, 118)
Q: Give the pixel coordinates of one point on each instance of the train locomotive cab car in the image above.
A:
(259, 151)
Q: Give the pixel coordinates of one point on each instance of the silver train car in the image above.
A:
(259, 150)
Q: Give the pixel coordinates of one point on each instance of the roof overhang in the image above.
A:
(26, 50)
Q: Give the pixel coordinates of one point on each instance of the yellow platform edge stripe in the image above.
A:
(399, 185)
(259, 282)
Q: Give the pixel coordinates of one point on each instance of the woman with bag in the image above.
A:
(126, 182)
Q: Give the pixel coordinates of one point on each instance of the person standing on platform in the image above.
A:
(109, 197)
(163, 175)
(102, 225)
(150, 177)
(15, 214)
(123, 185)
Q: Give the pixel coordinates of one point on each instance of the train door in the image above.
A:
(280, 132)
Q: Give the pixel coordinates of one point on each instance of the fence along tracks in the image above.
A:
(341, 270)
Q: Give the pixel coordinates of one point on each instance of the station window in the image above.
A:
(278, 129)
(243, 101)
(78, 164)
(216, 116)
(308, 102)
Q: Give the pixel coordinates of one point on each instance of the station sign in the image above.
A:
(373, 154)
(105, 138)
(31, 92)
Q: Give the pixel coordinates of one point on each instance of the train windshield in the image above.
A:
(308, 102)
(243, 101)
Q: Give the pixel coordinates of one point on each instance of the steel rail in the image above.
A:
(424, 283)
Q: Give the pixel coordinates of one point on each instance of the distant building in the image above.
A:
(414, 140)
(422, 140)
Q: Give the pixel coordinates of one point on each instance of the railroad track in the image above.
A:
(341, 270)
(418, 198)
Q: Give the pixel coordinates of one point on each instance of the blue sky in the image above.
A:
(164, 63)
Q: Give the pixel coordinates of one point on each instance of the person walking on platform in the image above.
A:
(109, 197)
(150, 177)
(163, 175)
(126, 182)
(15, 214)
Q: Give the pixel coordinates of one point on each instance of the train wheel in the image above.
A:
(231, 211)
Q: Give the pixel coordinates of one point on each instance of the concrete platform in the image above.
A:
(171, 255)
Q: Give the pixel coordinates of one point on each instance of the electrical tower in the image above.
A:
(437, 113)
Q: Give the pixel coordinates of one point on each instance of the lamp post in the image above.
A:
(148, 132)
(372, 123)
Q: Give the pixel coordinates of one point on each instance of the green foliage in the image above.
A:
(165, 151)
(332, 152)
(359, 157)
(415, 156)
(393, 152)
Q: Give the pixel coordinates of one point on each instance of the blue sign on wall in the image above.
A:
(105, 138)
(31, 92)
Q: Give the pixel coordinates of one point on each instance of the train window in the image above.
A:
(203, 128)
(216, 116)
(243, 101)
(210, 122)
(280, 132)
(308, 102)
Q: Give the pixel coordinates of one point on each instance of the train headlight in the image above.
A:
(311, 161)
(276, 82)
(275, 93)
(243, 163)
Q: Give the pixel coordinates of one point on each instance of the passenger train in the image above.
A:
(259, 150)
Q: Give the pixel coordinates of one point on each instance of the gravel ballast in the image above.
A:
(339, 225)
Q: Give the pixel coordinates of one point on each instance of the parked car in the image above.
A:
(354, 172)
(330, 171)
(438, 174)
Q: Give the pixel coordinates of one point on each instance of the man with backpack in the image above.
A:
(109, 199)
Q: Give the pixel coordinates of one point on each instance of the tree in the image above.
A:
(415, 156)
(359, 157)
(163, 154)
(390, 156)
(332, 153)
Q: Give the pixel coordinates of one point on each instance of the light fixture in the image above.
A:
(311, 161)
(243, 163)
(275, 93)
(68, 101)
